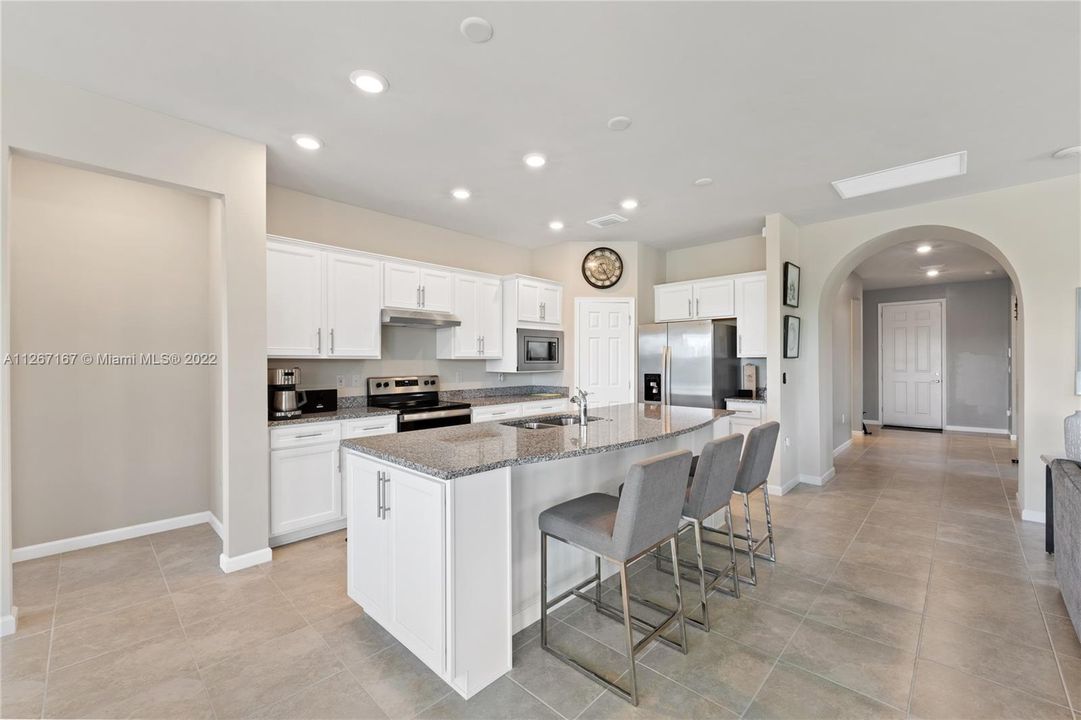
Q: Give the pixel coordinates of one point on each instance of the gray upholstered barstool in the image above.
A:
(621, 530)
(709, 492)
(753, 472)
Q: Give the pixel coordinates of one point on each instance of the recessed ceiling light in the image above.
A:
(1069, 152)
(556, 225)
(308, 142)
(619, 122)
(988, 272)
(476, 29)
(460, 193)
(932, 273)
(939, 168)
(923, 249)
(535, 160)
(370, 82)
(702, 182)
(628, 204)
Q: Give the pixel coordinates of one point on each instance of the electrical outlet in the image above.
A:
(842, 418)
(500, 377)
(341, 382)
(457, 376)
(787, 442)
(356, 381)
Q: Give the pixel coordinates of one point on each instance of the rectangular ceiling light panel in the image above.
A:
(915, 173)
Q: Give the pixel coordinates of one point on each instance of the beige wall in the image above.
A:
(726, 257)
(106, 265)
(652, 270)
(847, 322)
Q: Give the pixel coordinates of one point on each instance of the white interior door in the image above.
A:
(911, 364)
(605, 349)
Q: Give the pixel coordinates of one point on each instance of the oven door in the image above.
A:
(434, 419)
(540, 350)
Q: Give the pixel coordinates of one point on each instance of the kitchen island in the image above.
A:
(444, 550)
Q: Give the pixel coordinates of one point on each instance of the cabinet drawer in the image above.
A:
(544, 407)
(304, 434)
(365, 427)
(745, 411)
(496, 412)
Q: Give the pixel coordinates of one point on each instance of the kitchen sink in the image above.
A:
(548, 422)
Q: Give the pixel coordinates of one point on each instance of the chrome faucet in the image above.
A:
(579, 399)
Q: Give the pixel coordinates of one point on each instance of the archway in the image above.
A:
(848, 263)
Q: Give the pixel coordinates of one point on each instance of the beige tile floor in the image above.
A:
(905, 587)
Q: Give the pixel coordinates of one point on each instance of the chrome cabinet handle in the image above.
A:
(697, 306)
(379, 494)
(689, 313)
(423, 296)
(307, 435)
(739, 344)
(418, 295)
(332, 341)
(383, 502)
(482, 348)
(319, 340)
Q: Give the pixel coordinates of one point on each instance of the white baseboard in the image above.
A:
(842, 447)
(55, 547)
(818, 479)
(872, 422)
(1036, 516)
(9, 622)
(247, 560)
(215, 525)
(967, 429)
(783, 487)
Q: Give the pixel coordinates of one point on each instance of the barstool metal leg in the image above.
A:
(701, 572)
(679, 595)
(732, 549)
(750, 538)
(625, 592)
(544, 589)
(597, 590)
(769, 525)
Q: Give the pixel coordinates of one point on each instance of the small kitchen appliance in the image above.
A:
(283, 399)
(416, 398)
(540, 350)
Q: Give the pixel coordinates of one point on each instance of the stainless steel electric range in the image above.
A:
(416, 398)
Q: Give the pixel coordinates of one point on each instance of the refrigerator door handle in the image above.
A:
(666, 375)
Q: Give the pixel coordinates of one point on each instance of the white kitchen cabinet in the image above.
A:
(353, 327)
(367, 427)
(487, 413)
(538, 301)
(714, 298)
(417, 287)
(305, 482)
(478, 303)
(546, 407)
(368, 578)
(295, 301)
(673, 302)
(747, 415)
(508, 411)
(750, 309)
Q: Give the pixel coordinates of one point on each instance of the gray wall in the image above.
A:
(977, 328)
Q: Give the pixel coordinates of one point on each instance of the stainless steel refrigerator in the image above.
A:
(690, 363)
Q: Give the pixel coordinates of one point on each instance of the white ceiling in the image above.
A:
(901, 266)
(772, 100)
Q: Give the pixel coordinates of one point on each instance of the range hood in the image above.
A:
(418, 318)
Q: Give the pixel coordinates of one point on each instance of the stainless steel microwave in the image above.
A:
(540, 350)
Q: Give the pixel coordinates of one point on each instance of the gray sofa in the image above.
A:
(1066, 482)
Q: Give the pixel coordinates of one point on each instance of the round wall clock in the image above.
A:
(602, 267)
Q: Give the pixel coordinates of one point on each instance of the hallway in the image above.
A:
(907, 586)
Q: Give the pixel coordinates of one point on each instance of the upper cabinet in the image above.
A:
(740, 296)
(751, 315)
(321, 303)
(538, 301)
(478, 303)
(295, 300)
(416, 287)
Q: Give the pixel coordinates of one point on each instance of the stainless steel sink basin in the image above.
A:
(529, 425)
(548, 422)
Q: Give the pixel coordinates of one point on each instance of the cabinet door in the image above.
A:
(401, 286)
(368, 574)
(294, 301)
(496, 412)
(529, 300)
(490, 317)
(743, 426)
(751, 316)
(353, 306)
(551, 304)
(466, 335)
(715, 298)
(418, 568)
(673, 302)
(437, 290)
(305, 487)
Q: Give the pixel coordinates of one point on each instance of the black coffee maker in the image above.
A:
(283, 399)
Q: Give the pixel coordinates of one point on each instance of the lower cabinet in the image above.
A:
(747, 415)
(485, 413)
(428, 560)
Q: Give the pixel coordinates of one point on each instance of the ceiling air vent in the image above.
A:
(606, 221)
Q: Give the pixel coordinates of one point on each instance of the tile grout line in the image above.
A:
(183, 631)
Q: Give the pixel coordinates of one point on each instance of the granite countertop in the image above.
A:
(459, 450)
(511, 399)
(746, 400)
(342, 413)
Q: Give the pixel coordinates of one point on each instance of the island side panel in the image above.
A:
(536, 487)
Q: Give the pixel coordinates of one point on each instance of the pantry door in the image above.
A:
(910, 362)
(605, 349)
